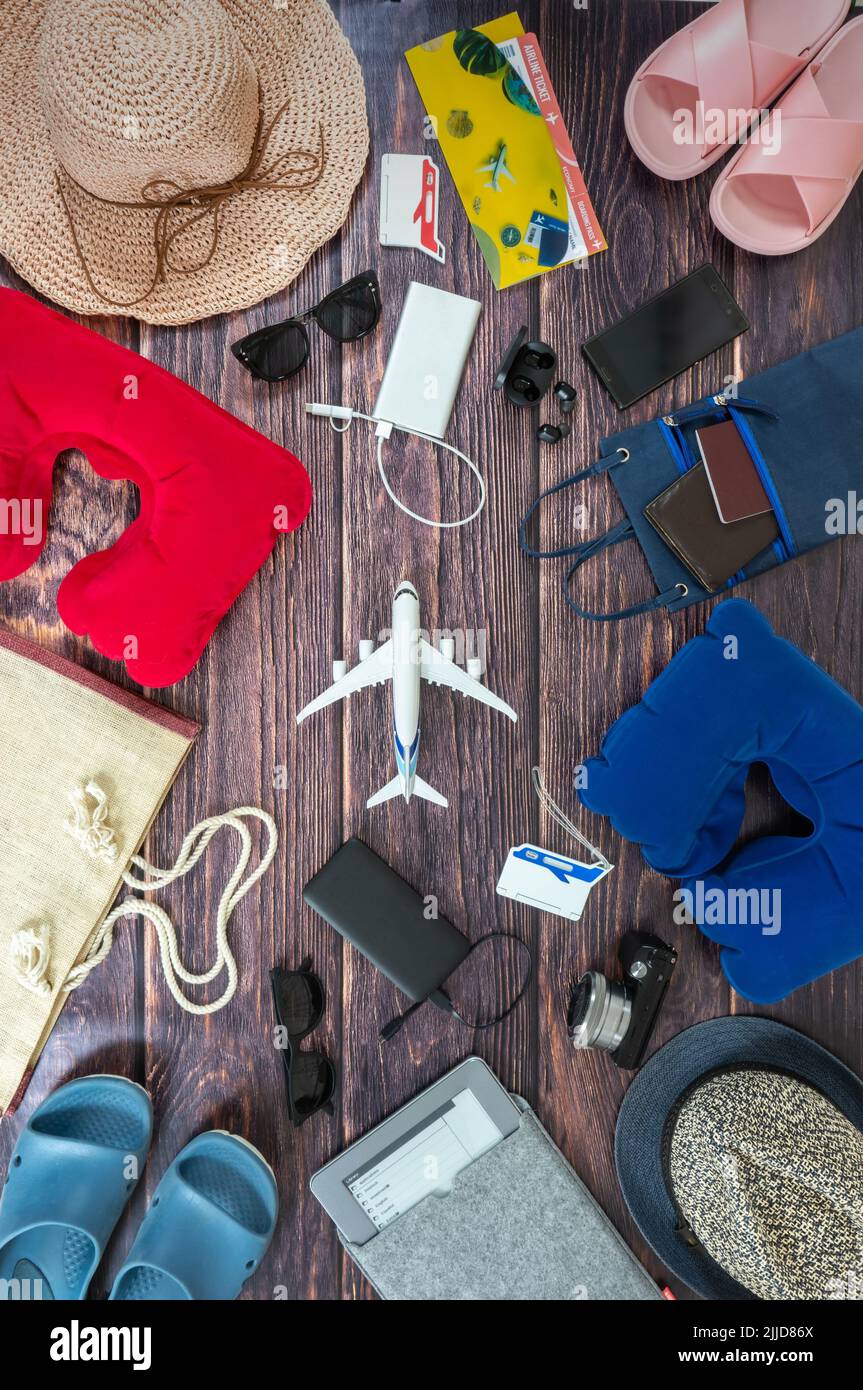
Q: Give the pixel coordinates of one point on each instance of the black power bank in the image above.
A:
(373, 908)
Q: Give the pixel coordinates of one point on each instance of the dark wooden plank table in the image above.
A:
(330, 585)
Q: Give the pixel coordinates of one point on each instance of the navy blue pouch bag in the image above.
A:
(802, 423)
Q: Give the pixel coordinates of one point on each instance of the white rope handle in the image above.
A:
(191, 850)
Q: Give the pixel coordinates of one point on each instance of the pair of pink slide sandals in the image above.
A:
(707, 88)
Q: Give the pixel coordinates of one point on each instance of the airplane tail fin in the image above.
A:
(393, 788)
(428, 793)
(396, 788)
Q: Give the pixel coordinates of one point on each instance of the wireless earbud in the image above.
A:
(552, 434)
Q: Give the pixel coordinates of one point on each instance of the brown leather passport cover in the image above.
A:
(734, 481)
(686, 518)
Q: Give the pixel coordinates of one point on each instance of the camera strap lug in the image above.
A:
(686, 1233)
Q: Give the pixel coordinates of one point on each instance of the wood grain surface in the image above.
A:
(331, 583)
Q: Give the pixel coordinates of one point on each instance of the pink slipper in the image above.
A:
(701, 91)
(784, 189)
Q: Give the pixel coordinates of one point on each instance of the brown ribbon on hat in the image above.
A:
(207, 201)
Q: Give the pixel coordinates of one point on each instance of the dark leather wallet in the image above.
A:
(373, 908)
(686, 518)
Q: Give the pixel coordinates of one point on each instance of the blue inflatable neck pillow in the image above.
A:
(671, 776)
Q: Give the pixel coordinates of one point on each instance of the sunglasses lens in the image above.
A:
(274, 353)
(312, 1081)
(349, 312)
(300, 1001)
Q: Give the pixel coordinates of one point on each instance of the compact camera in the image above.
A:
(619, 1016)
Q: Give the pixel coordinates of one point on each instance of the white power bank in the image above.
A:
(427, 360)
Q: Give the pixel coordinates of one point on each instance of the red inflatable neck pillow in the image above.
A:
(214, 494)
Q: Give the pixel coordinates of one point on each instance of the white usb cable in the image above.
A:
(383, 432)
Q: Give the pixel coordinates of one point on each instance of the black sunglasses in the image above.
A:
(310, 1076)
(347, 314)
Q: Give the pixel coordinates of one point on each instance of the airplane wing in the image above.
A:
(438, 671)
(376, 669)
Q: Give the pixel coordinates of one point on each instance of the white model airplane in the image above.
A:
(406, 659)
(498, 170)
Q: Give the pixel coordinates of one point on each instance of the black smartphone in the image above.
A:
(668, 334)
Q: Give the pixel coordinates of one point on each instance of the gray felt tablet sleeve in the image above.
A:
(518, 1224)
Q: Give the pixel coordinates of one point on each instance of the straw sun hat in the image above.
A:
(171, 159)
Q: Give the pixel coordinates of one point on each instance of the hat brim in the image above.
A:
(721, 1042)
(266, 236)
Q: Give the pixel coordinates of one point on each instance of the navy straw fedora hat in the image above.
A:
(739, 1150)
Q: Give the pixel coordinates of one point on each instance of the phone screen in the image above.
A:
(666, 335)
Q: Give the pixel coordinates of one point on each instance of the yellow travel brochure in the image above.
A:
(499, 125)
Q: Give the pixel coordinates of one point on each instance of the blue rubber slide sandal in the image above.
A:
(209, 1225)
(72, 1172)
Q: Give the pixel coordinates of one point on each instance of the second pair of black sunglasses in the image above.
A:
(280, 350)
(310, 1076)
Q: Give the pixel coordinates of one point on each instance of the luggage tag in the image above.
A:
(552, 882)
(410, 202)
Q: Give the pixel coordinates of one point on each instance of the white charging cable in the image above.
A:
(383, 432)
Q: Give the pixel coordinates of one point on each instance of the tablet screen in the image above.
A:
(424, 1160)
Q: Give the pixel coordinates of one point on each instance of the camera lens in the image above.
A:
(599, 1012)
